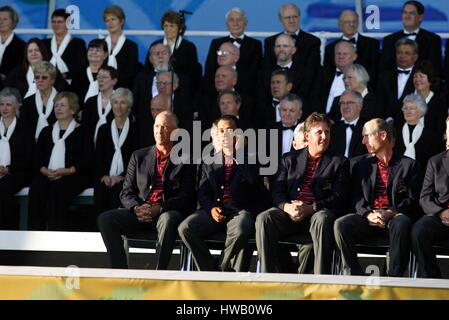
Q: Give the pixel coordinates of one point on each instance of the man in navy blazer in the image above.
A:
(385, 198)
(157, 195)
(227, 195)
(309, 193)
(434, 226)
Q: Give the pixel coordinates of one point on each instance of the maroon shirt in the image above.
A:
(155, 195)
(380, 191)
(306, 194)
(228, 168)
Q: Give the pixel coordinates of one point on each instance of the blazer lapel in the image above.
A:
(446, 162)
(300, 172)
(373, 176)
(392, 170)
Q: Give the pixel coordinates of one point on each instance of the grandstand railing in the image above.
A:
(101, 33)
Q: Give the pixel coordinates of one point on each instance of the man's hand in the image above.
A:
(216, 214)
(376, 219)
(293, 211)
(116, 180)
(444, 216)
(143, 213)
(106, 180)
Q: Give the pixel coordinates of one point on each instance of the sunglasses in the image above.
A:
(41, 77)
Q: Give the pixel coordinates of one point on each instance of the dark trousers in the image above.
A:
(115, 223)
(106, 198)
(50, 201)
(274, 225)
(425, 233)
(239, 228)
(9, 210)
(353, 229)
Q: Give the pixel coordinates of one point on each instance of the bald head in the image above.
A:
(158, 104)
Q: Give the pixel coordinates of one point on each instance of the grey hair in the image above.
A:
(419, 101)
(339, 43)
(9, 92)
(240, 11)
(293, 98)
(299, 129)
(408, 42)
(360, 73)
(292, 5)
(357, 95)
(125, 93)
(45, 67)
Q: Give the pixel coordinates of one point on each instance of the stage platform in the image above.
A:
(72, 283)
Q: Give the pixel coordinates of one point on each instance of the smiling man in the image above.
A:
(309, 193)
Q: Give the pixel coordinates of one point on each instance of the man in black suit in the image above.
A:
(280, 85)
(368, 49)
(385, 197)
(250, 49)
(168, 84)
(309, 191)
(308, 53)
(284, 51)
(145, 84)
(66, 53)
(429, 43)
(346, 137)
(207, 104)
(330, 82)
(227, 195)
(434, 226)
(394, 85)
(230, 102)
(157, 195)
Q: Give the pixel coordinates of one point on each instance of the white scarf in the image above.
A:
(416, 134)
(117, 167)
(101, 115)
(93, 85)
(42, 120)
(31, 83)
(57, 158)
(5, 149)
(56, 59)
(112, 61)
(4, 45)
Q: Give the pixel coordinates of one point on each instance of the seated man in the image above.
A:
(308, 193)
(385, 199)
(434, 226)
(227, 195)
(157, 195)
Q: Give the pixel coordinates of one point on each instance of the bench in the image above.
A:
(85, 197)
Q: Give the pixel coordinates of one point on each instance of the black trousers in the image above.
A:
(353, 229)
(106, 198)
(115, 223)
(239, 228)
(50, 200)
(9, 210)
(425, 233)
(273, 225)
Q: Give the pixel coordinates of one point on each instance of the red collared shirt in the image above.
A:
(228, 165)
(155, 195)
(305, 193)
(380, 191)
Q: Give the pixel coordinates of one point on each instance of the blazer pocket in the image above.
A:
(402, 189)
(327, 185)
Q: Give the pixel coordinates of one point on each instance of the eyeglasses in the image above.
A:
(163, 83)
(224, 53)
(39, 77)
